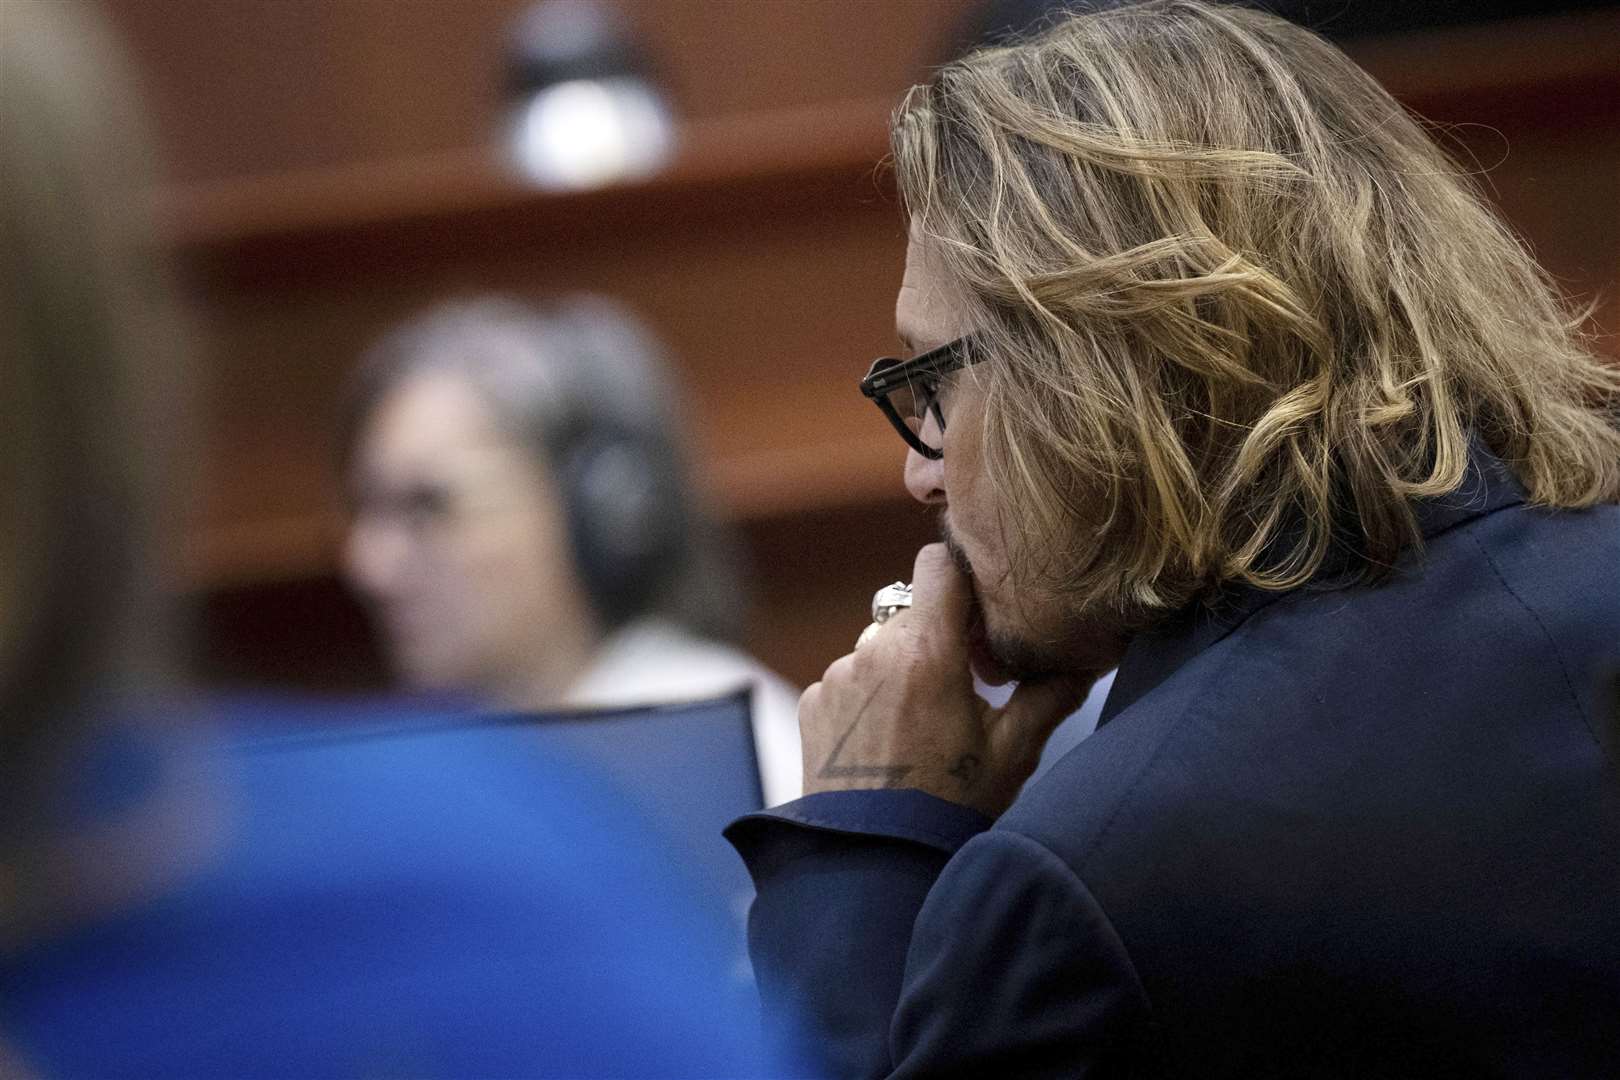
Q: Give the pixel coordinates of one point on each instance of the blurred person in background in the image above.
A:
(1217, 369)
(525, 528)
(180, 901)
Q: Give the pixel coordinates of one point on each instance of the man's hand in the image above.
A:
(901, 711)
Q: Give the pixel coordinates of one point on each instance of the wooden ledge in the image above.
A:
(1563, 69)
(785, 146)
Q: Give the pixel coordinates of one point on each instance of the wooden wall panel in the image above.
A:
(243, 87)
(771, 312)
(1561, 192)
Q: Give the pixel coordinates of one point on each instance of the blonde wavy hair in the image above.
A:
(1240, 310)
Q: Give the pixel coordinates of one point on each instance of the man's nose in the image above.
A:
(925, 478)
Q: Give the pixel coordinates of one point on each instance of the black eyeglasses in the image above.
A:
(908, 392)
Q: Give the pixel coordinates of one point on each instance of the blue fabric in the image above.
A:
(449, 899)
(1358, 832)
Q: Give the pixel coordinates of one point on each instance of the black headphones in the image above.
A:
(616, 459)
(627, 515)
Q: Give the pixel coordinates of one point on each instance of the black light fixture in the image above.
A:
(586, 111)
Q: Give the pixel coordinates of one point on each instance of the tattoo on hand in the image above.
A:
(833, 769)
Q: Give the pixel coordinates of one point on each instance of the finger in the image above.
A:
(1035, 709)
(940, 593)
(840, 671)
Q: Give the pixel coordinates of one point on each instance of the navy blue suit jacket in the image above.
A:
(1371, 831)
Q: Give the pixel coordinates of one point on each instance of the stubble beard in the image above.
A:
(999, 656)
(1082, 646)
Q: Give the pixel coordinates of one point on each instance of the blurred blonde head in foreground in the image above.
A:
(88, 391)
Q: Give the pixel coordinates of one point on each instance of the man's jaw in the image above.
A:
(1000, 656)
(983, 656)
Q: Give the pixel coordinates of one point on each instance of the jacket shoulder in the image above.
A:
(1518, 609)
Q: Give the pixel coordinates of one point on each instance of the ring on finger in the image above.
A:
(885, 603)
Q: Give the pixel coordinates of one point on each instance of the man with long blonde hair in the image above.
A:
(1222, 371)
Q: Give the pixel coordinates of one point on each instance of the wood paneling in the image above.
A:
(1533, 106)
(772, 286)
(248, 87)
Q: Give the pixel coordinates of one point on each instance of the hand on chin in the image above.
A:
(901, 711)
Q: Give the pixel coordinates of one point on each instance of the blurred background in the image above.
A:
(333, 165)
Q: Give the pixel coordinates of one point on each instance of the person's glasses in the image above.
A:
(908, 393)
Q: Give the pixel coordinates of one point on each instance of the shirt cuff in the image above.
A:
(887, 813)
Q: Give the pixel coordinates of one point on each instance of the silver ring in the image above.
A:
(888, 600)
